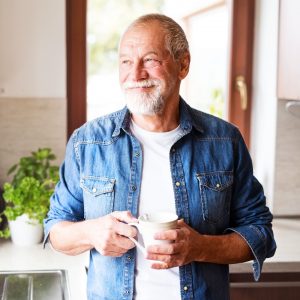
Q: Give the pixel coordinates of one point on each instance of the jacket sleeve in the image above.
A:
(66, 203)
(250, 216)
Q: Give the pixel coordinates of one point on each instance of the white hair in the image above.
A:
(175, 38)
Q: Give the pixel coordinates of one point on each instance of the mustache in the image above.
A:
(141, 84)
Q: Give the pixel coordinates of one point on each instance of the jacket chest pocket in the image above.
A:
(98, 196)
(215, 193)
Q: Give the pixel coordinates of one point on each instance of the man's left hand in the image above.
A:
(182, 251)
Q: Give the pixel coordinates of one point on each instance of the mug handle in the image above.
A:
(139, 245)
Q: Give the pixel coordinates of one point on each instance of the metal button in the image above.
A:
(177, 183)
(218, 185)
(133, 187)
(173, 150)
(94, 190)
(137, 154)
(185, 288)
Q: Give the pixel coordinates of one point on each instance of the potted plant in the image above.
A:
(27, 197)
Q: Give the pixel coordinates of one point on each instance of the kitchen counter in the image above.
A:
(17, 258)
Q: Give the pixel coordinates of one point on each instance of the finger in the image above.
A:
(166, 249)
(109, 253)
(125, 229)
(119, 248)
(159, 266)
(124, 243)
(172, 235)
(166, 262)
(124, 216)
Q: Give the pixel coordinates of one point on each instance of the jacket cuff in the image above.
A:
(257, 243)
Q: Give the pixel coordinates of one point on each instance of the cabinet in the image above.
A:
(289, 50)
(278, 281)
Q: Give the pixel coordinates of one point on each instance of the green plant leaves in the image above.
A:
(37, 165)
(31, 188)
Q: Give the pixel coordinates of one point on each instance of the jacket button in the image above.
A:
(133, 188)
(137, 154)
(94, 190)
(185, 288)
(177, 183)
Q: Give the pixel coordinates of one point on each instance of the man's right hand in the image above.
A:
(109, 234)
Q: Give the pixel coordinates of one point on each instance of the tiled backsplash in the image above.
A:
(27, 124)
(287, 163)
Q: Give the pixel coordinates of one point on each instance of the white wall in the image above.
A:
(32, 79)
(32, 51)
(264, 105)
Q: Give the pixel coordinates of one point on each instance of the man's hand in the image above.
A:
(179, 253)
(189, 245)
(109, 235)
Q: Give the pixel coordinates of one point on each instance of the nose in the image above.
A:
(138, 72)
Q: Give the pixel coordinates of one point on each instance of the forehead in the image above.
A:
(148, 37)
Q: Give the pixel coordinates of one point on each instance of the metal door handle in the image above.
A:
(241, 86)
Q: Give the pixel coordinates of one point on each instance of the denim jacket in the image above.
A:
(214, 188)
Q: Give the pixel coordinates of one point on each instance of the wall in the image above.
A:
(32, 79)
(287, 165)
(275, 139)
(264, 105)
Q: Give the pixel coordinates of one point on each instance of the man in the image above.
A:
(159, 154)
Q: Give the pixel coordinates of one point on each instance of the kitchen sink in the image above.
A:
(34, 285)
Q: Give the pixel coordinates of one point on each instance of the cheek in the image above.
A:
(122, 77)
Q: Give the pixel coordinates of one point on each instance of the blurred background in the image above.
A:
(59, 68)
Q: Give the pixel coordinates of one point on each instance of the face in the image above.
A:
(149, 76)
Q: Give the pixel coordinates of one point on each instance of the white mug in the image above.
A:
(149, 224)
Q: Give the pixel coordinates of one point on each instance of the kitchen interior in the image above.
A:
(33, 114)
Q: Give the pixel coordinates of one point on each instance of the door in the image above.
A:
(220, 34)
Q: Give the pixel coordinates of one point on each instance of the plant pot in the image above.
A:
(25, 232)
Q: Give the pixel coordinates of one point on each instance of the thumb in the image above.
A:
(181, 223)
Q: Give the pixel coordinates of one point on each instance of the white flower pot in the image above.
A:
(25, 232)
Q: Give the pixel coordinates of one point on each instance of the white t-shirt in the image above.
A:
(156, 194)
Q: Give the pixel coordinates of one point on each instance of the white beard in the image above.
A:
(144, 103)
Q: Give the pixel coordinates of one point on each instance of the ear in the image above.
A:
(184, 65)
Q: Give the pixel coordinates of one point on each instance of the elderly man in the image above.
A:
(159, 154)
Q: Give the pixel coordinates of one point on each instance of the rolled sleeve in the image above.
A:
(258, 239)
(250, 216)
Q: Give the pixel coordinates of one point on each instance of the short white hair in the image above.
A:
(175, 38)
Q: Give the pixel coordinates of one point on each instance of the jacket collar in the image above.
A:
(187, 119)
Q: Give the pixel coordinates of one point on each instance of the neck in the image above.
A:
(165, 121)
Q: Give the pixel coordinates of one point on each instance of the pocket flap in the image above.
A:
(216, 181)
(97, 185)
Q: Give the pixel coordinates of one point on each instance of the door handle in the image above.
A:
(241, 86)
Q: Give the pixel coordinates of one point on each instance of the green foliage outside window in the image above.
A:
(107, 20)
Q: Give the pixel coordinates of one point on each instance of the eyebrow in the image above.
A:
(147, 53)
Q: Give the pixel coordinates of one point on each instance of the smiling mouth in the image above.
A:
(141, 85)
(140, 88)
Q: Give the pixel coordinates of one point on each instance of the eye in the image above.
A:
(126, 62)
(151, 62)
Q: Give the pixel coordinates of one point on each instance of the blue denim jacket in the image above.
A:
(217, 194)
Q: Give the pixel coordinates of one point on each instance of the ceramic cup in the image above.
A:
(149, 224)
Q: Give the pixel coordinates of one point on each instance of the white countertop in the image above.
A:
(18, 258)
